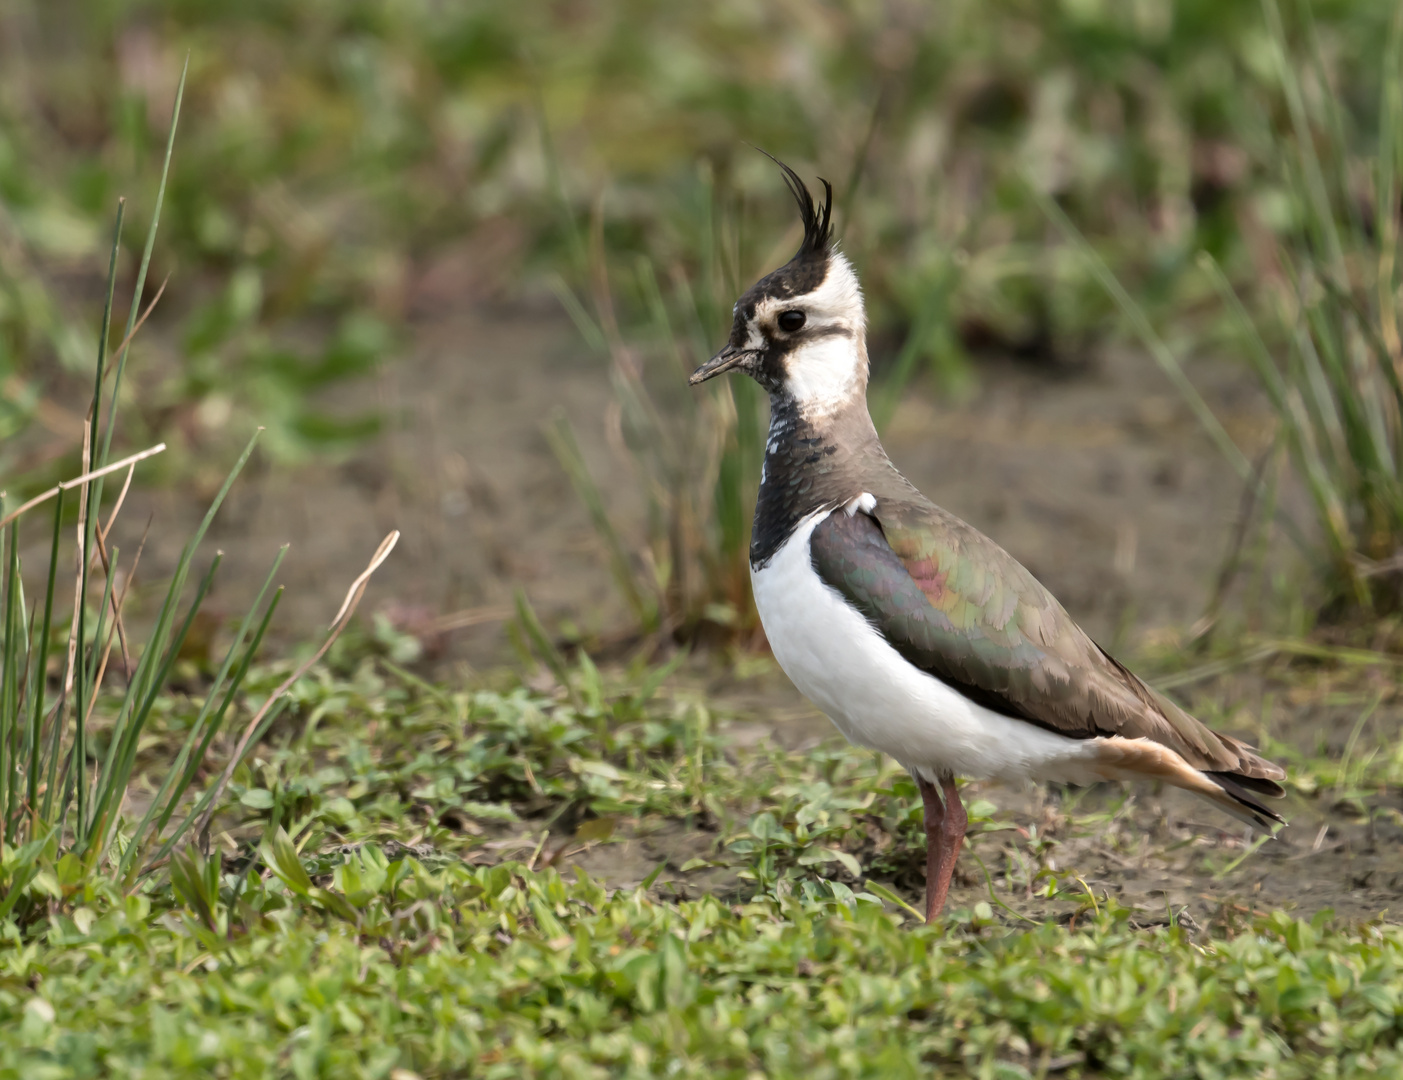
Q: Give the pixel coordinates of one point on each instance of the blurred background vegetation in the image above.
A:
(1041, 196)
(343, 167)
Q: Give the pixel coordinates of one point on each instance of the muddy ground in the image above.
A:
(1097, 478)
(1157, 851)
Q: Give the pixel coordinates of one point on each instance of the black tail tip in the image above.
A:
(1245, 791)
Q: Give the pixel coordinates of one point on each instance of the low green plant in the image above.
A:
(458, 768)
(385, 962)
(390, 893)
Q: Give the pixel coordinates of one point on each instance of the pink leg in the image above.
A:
(945, 833)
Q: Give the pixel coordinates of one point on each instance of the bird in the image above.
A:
(916, 634)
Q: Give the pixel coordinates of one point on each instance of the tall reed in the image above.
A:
(1322, 330)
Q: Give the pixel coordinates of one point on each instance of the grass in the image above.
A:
(60, 793)
(696, 455)
(1320, 330)
(64, 778)
(392, 888)
(376, 755)
(1326, 350)
(501, 971)
(325, 180)
(1337, 392)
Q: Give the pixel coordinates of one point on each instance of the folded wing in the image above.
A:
(958, 606)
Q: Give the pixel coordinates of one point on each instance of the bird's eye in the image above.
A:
(789, 321)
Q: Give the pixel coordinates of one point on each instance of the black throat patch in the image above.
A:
(813, 465)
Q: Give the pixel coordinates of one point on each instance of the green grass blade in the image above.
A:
(1337, 152)
(80, 695)
(92, 495)
(656, 307)
(149, 676)
(930, 309)
(95, 409)
(9, 663)
(88, 680)
(156, 643)
(1278, 391)
(182, 770)
(1386, 191)
(24, 868)
(202, 805)
(95, 654)
(144, 267)
(584, 322)
(1161, 352)
(92, 498)
(116, 774)
(41, 683)
(545, 648)
(1257, 352)
(217, 723)
(1321, 217)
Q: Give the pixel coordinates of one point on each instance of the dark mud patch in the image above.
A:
(1159, 855)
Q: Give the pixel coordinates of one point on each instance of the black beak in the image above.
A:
(723, 361)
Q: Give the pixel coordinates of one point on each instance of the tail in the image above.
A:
(1239, 797)
(1241, 787)
(1235, 791)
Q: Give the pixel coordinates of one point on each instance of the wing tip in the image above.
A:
(1242, 799)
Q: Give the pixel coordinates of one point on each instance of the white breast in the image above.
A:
(879, 700)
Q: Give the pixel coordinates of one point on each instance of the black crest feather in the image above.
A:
(818, 220)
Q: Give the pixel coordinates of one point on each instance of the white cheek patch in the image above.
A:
(825, 373)
(830, 370)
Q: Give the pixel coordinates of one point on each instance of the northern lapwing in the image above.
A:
(917, 634)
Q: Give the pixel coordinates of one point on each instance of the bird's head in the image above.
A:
(800, 331)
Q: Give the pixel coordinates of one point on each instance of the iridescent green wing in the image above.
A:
(958, 606)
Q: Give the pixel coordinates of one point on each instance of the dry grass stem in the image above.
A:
(118, 603)
(126, 341)
(78, 481)
(81, 565)
(101, 535)
(348, 608)
(458, 620)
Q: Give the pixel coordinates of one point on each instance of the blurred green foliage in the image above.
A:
(336, 150)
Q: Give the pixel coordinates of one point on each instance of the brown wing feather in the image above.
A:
(957, 605)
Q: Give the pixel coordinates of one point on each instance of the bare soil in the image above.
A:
(1152, 848)
(1097, 478)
